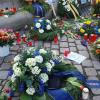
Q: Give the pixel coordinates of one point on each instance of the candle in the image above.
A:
(85, 94)
(86, 37)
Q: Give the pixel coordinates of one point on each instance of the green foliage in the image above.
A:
(96, 9)
(25, 96)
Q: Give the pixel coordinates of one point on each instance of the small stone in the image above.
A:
(84, 53)
(9, 58)
(71, 44)
(96, 91)
(71, 40)
(73, 49)
(96, 98)
(46, 45)
(92, 78)
(62, 50)
(81, 47)
(3, 74)
(14, 48)
(87, 63)
(55, 47)
(63, 44)
(96, 65)
(90, 72)
(5, 66)
(78, 42)
(63, 38)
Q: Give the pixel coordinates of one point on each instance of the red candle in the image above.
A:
(86, 37)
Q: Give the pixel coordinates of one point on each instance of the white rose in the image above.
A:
(42, 51)
(30, 91)
(17, 58)
(13, 78)
(48, 21)
(15, 65)
(48, 27)
(17, 71)
(39, 59)
(49, 66)
(30, 62)
(36, 70)
(44, 77)
(41, 30)
(38, 25)
(52, 63)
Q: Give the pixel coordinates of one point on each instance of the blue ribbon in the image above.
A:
(60, 94)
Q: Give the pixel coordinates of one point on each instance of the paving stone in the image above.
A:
(71, 44)
(96, 64)
(62, 50)
(78, 42)
(1, 60)
(79, 67)
(9, 58)
(57, 51)
(5, 66)
(63, 44)
(92, 56)
(87, 63)
(73, 49)
(89, 48)
(71, 40)
(90, 71)
(92, 78)
(3, 74)
(47, 45)
(84, 53)
(14, 48)
(81, 47)
(55, 47)
(63, 38)
(96, 91)
(13, 53)
(96, 98)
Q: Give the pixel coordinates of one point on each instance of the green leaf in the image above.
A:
(37, 97)
(25, 96)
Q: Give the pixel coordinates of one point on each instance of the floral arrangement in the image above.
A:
(96, 48)
(7, 37)
(88, 27)
(7, 12)
(44, 29)
(68, 8)
(39, 74)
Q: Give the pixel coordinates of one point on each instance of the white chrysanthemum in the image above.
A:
(48, 27)
(30, 50)
(64, 3)
(36, 70)
(30, 91)
(42, 51)
(48, 21)
(17, 58)
(38, 25)
(54, 52)
(54, 24)
(52, 63)
(40, 20)
(39, 59)
(41, 30)
(17, 71)
(44, 77)
(30, 62)
(49, 66)
(13, 78)
(15, 65)
(63, 31)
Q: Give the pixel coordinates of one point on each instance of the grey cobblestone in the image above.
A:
(84, 53)
(72, 44)
(96, 65)
(73, 49)
(81, 47)
(63, 44)
(96, 98)
(63, 38)
(71, 40)
(62, 50)
(96, 91)
(87, 63)
(3, 74)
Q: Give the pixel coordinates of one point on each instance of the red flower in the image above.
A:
(19, 40)
(17, 34)
(66, 53)
(9, 98)
(24, 39)
(56, 39)
(30, 43)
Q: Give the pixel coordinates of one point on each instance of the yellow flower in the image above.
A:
(98, 40)
(88, 22)
(99, 30)
(94, 15)
(82, 30)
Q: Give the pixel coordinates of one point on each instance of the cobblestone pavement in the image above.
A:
(90, 67)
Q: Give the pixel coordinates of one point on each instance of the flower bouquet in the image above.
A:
(96, 48)
(39, 74)
(7, 38)
(7, 12)
(44, 29)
